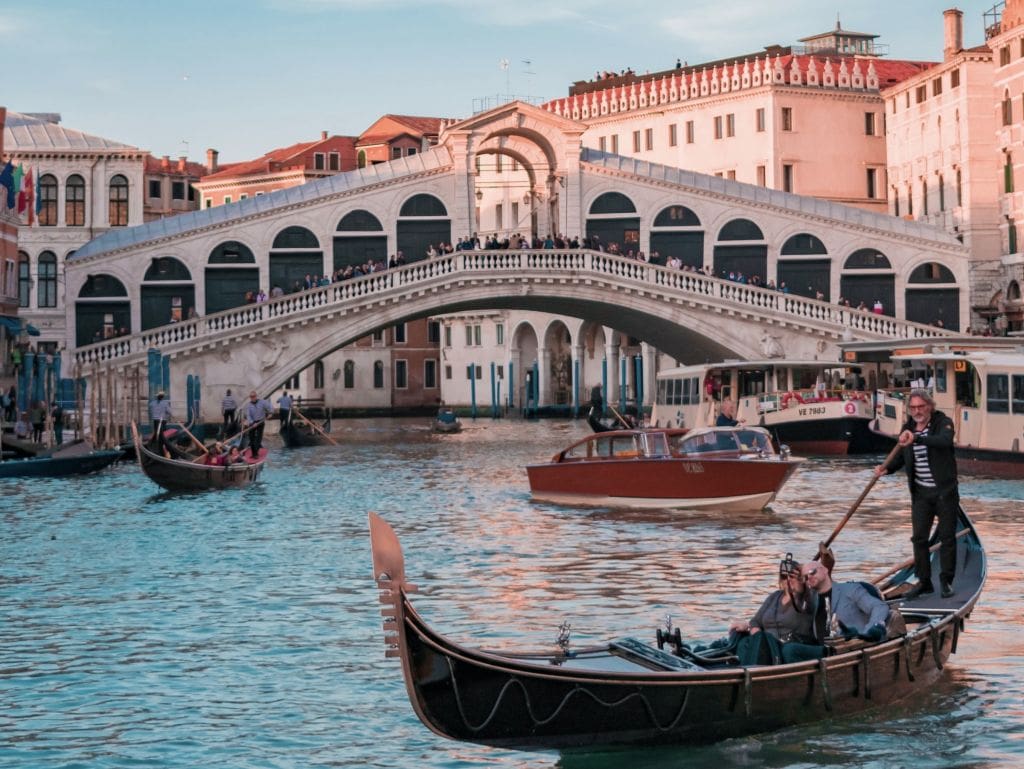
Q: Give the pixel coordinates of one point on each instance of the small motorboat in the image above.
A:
(447, 421)
(629, 692)
(728, 468)
(198, 472)
(298, 432)
(77, 458)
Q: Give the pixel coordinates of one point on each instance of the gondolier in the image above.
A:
(284, 404)
(229, 408)
(256, 413)
(160, 415)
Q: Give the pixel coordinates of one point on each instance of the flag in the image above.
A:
(25, 196)
(39, 200)
(19, 172)
(7, 180)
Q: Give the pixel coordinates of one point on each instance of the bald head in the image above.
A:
(816, 576)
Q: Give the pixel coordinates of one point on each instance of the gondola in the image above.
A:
(79, 459)
(628, 692)
(297, 433)
(193, 474)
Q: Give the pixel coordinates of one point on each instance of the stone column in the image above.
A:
(611, 355)
(543, 376)
(650, 359)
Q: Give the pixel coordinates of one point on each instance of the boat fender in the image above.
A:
(907, 644)
(936, 637)
(825, 690)
(866, 661)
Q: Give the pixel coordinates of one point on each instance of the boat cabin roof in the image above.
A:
(667, 442)
(883, 351)
(981, 358)
(700, 369)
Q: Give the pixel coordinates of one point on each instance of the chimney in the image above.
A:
(3, 121)
(211, 160)
(954, 26)
(165, 162)
(182, 160)
(323, 136)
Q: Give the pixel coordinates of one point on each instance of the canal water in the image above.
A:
(240, 628)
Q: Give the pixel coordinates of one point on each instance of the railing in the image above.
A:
(710, 290)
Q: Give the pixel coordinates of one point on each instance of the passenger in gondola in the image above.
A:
(234, 456)
(782, 623)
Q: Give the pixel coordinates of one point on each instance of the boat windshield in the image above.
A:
(754, 440)
(707, 441)
(655, 444)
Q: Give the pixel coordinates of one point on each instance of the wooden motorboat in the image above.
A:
(447, 421)
(628, 692)
(298, 432)
(729, 468)
(196, 474)
(76, 459)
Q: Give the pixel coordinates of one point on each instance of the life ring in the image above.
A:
(850, 408)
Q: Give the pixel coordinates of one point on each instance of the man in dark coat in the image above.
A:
(927, 455)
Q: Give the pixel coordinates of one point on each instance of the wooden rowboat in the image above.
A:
(195, 475)
(627, 692)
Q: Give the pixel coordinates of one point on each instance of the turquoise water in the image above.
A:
(240, 628)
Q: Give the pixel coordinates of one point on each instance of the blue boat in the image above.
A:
(60, 465)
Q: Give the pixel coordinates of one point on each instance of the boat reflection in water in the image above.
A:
(628, 692)
(728, 468)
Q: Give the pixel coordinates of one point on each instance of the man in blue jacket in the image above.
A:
(927, 455)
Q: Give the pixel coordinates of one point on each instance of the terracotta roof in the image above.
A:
(421, 125)
(280, 159)
(888, 72)
(155, 165)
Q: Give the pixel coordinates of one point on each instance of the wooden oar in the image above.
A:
(243, 432)
(823, 550)
(195, 440)
(315, 427)
(910, 561)
(619, 416)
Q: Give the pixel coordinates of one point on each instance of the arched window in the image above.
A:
(803, 245)
(1008, 173)
(1007, 108)
(867, 259)
(318, 375)
(378, 375)
(74, 201)
(167, 268)
(46, 280)
(359, 221)
(350, 375)
(942, 193)
(118, 208)
(361, 159)
(959, 188)
(931, 272)
(423, 205)
(24, 279)
(612, 203)
(740, 229)
(924, 197)
(1013, 292)
(676, 216)
(48, 201)
(295, 237)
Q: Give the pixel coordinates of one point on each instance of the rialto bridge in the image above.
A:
(138, 278)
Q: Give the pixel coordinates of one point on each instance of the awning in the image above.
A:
(32, 330)
(13, 325)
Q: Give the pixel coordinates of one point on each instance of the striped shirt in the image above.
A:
(922, 470)
(228, 403)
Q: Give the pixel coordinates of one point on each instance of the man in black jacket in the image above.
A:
(927, 441)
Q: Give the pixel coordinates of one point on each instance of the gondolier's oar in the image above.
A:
(619, 416)
(824, 554)
(315, 427)
(195, 440)
(243, 432)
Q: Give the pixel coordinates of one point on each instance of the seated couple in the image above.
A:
(808, 609)
(221, 456)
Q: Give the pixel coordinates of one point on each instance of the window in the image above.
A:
(602, 144)
(74, 201)
(378, 337)
(396, 153)
(937, 86)
(473, 335)
(515, 213)
(924, 197)
(718, 126)
(24, 280)
(673, 135)
(636, 141)
(501, 372)
(118, 201)
(207, 202)
(787, 178)
(921, 94)
(869, 123)
(761, 176)
(447, 336)
(318, 375)
(378, 375)
(895, 201)
(429, 374)
(1018, 392)
(412, 151)
(177, 190)
(997, 393)
(334, 162)
(872, 180)
(292, 383)
(447, 372)
(649, 139)
(959, 188)
(192, 193)
(942, 193)
(499, 333)
(48, 201)
(907, 98)
(1004, 56)
(1007, 108)
(227, 199)
(910, 200)
(730, 124)
(689, 132)
(46, 284)
(155, 188)
(787, 118)
(399, 334)
(1011, 236)
(730, 175)
(1008, 173)
(349, 375)
(243, 196)
(318, 161)
(615, 144)
(499, 216)
(759, 120)
(954, 75)
(401, 374)
(478, 370)
(433, 332)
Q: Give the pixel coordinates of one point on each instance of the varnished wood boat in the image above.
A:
(194, 474)
(297, 433)
(727, 468)
(627, 692)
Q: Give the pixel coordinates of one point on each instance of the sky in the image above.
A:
(244, 77)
